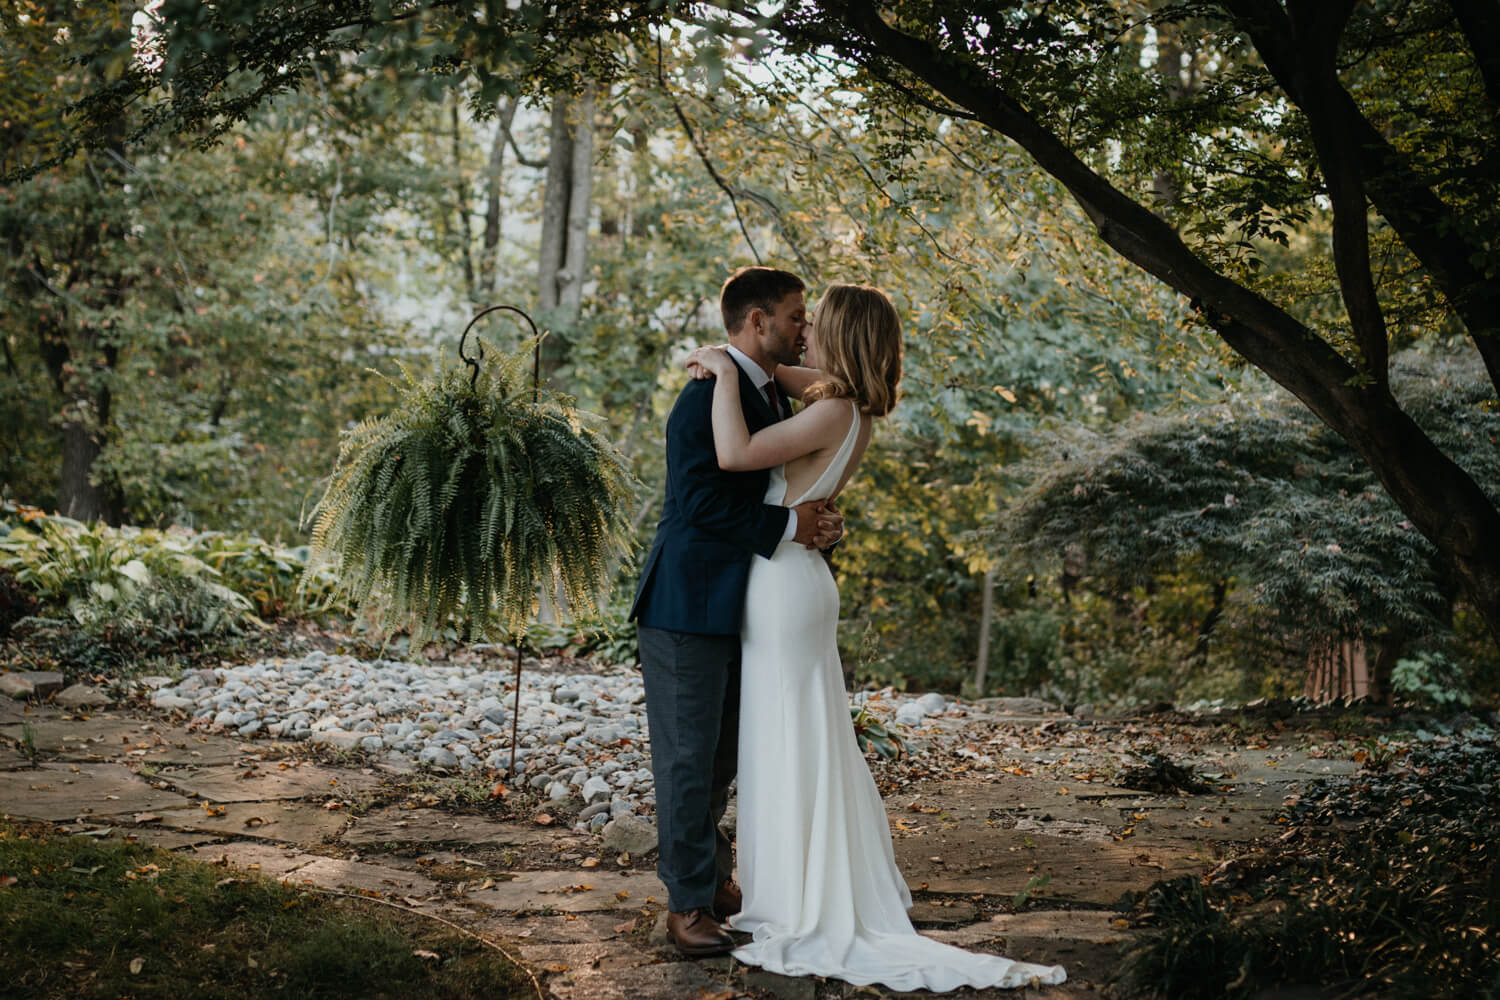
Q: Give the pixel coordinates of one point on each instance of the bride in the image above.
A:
(822, 894)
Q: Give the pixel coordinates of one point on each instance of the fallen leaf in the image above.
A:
(255, 821)
(589, 863)
(622, 895)
(145, 817)
(212, 809)
(431, 956)
(626, 927)
(543, 819)
(499, 791)
(136, 965)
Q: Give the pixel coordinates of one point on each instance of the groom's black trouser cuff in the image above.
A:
(692, 712)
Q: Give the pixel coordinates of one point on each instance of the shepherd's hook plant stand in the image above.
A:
(536, 389)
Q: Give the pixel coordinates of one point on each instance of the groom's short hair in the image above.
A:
(754, 288)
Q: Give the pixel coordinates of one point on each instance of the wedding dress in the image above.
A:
(822, 894)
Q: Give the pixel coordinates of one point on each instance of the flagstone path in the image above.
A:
(1019, 845)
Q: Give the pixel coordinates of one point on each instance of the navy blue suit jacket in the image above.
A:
(712, 523)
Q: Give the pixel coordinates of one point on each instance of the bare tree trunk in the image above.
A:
(986, 620)
(555, 196)
(580, 200)
(461, 203)
(494, 185)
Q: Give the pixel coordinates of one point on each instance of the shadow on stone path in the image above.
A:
(1031, 861)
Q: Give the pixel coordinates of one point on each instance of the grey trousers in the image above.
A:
(693, 714)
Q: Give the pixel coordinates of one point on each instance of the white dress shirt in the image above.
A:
(762, 381)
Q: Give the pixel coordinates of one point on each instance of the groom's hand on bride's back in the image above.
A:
(819, 524)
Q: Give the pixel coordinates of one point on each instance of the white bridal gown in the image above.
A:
(823, 895)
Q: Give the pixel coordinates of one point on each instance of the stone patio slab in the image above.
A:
(571, 928)
(1011, 860)
(573, 891)
(673, 979)
(296, 824)
(271, 860)
(339, 873)
(57, 792)
(265, 782)
(396, 825)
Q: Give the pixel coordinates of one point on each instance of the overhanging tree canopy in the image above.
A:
(1201, 138)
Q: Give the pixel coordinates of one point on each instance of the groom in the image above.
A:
(691, 599)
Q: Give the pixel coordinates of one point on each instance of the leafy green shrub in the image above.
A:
(95, 572)
(102, 598)
(1402, 904)
(875, 736)
(609, 640)
(1269, 511)
(276, 578)
(1429, 679)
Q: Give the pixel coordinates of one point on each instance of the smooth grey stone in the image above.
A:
(629, 834)
(437, 757)
(589, 812)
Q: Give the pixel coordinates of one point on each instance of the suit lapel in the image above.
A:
(752, 401)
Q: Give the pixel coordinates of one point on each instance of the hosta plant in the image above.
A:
(472, 495)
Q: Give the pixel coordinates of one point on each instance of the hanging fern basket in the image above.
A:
(476, 493)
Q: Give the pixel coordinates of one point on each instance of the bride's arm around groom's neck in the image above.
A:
(795, 379)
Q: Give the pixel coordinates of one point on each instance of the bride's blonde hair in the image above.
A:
(859, 348)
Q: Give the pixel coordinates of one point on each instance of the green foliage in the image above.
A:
(1261, 496)
(1430, 679)
(100, 575)
(1397, 899)
(875, 736)
(466, 499)
(610, 640)
(103, 599)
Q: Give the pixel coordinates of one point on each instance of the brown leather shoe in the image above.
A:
(697, 933)
(727, 899)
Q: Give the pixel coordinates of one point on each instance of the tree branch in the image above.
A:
(713, 172)
(1479, 20)
(521, 157)
(1441, 499)
(1428, 227)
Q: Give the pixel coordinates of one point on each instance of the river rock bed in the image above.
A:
(579, 735)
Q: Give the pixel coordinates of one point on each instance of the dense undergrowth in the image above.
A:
(90, 598)
(1386, 885)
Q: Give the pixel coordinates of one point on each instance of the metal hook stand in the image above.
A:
(536, 389)
(473, 363)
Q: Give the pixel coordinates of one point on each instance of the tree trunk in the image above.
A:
(986, 621)
(494, 188)
(77, 497)
(555, 195)
(461, 203)
(580, 201)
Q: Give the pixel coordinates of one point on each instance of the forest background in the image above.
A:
(1085, 493)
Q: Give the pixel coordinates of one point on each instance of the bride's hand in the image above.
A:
(706, 362)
